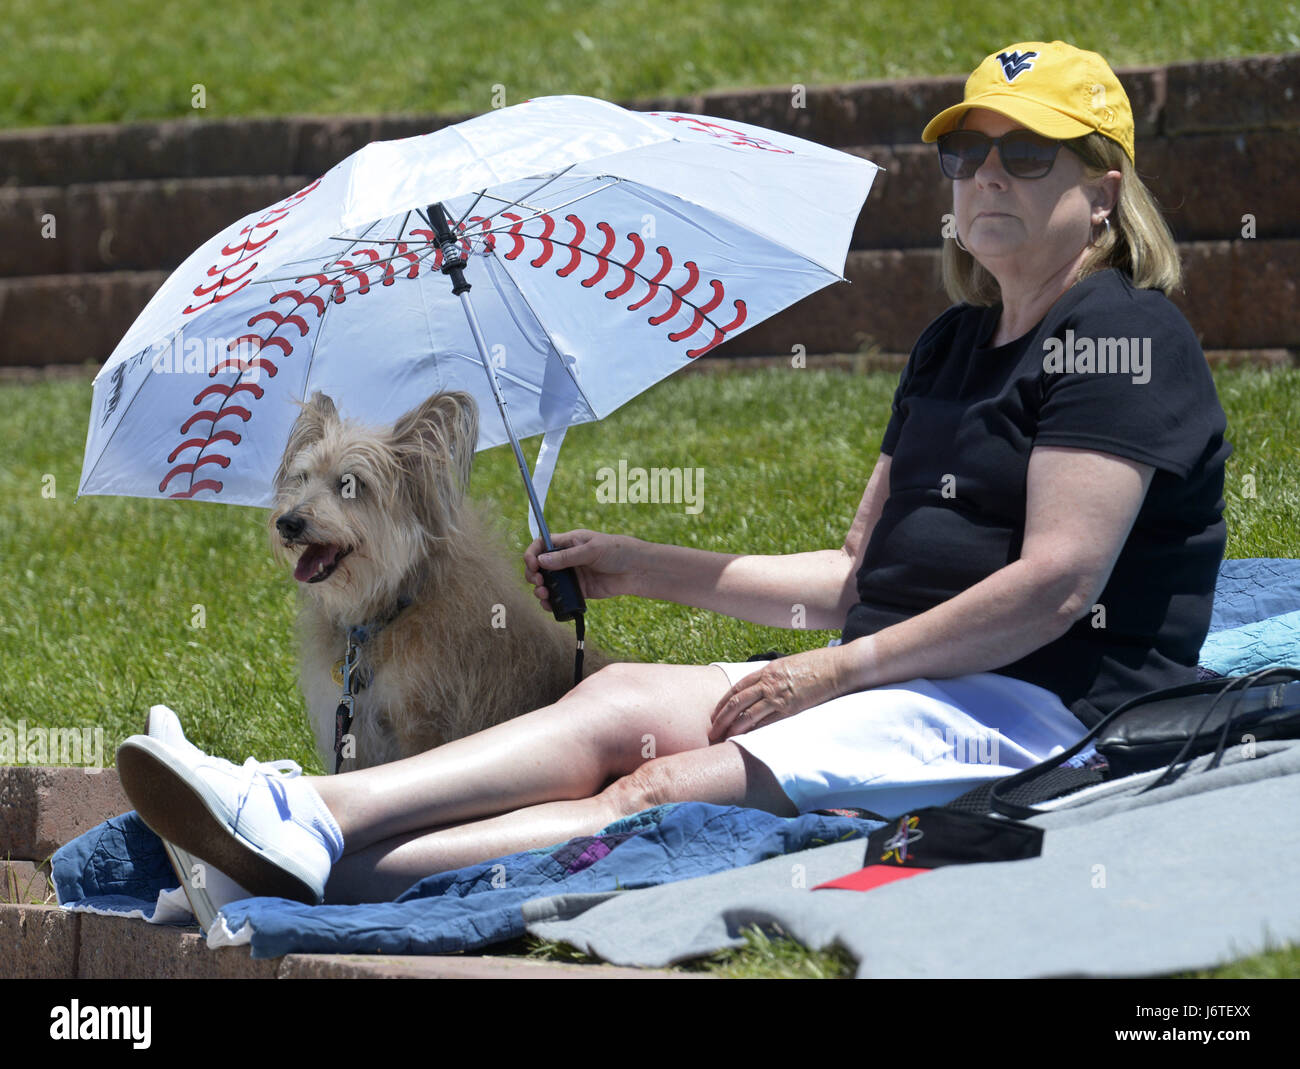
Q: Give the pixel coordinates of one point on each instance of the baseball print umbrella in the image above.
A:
(606, 249)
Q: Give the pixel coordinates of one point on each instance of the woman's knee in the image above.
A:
(651, 710)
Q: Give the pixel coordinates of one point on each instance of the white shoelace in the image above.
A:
(273, 772)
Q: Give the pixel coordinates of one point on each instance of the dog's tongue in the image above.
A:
(313, 558)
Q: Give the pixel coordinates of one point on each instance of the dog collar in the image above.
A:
(358, 636)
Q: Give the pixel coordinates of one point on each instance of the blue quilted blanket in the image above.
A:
(120, 866)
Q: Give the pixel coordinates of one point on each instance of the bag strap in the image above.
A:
(999, 802)
(1241, 684)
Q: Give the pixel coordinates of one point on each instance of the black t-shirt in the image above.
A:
(964, 421)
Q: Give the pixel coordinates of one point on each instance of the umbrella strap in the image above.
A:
(543, 469)
(579, 622)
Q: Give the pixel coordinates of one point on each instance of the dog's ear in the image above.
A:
(443, 428)
(317, 414)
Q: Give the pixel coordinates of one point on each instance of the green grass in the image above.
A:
(102, 594)
(78, 61)
(763, 956)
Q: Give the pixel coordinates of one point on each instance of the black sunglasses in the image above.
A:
(1024, 154)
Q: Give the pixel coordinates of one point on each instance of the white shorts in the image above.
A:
(907, 745)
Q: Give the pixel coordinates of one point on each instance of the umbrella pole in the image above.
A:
(566, 598)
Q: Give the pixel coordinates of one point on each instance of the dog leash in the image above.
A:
(351, 680)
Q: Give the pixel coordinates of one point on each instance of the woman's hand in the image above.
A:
(780, 689)
(604, 562)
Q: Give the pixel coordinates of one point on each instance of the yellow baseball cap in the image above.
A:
(1054, 89)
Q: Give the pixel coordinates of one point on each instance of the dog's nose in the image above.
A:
(290, 525)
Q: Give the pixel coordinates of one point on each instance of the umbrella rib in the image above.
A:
(311, 359)
(542, 327)
(484, 193)
(543, 211)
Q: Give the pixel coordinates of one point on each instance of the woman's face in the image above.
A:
(1030, 227)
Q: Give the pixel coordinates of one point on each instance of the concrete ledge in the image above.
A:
(46, 942)
(38, 943)
(113, 948)
(451, 967)
(41, 809)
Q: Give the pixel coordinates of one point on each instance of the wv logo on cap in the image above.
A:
(1015, 64)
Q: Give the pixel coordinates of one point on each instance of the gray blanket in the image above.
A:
(1194, 874)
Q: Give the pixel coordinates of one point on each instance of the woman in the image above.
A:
(1039, 540)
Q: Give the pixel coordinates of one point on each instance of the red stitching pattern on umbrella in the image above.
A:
(678, 296)
(338, 280)
(742, 139)
(229, 283)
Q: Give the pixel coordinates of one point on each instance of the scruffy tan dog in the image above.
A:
(387, 549)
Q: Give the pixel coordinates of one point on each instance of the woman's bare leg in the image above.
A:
(723, 774)
(607, 726)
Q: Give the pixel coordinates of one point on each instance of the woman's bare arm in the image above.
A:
(770, 589)
(1080, 507)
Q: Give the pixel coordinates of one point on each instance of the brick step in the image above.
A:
(908, 201)
(1183, 98)
(41, 809)
(1239, 295)
(124, 226)
(145, 225)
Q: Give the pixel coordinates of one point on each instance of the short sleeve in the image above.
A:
(895, 426)
(1129, 379)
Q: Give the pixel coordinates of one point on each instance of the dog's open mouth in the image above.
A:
(318, 562)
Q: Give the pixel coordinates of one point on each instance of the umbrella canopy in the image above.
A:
(606, 248)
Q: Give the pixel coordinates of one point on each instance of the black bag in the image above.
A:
(1168, 727)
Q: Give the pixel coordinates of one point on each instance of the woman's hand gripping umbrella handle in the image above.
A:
(565, 593)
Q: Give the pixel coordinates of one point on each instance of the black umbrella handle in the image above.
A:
(453, 260)
(565, 593)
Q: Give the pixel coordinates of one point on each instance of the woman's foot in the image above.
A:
(260, 824)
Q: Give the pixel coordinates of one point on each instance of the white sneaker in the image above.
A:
(166, 725)
(258, 824)
(206, 887)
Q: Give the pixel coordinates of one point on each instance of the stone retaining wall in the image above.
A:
(1216, 142)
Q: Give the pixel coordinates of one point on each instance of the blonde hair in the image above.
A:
(1138, 241)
